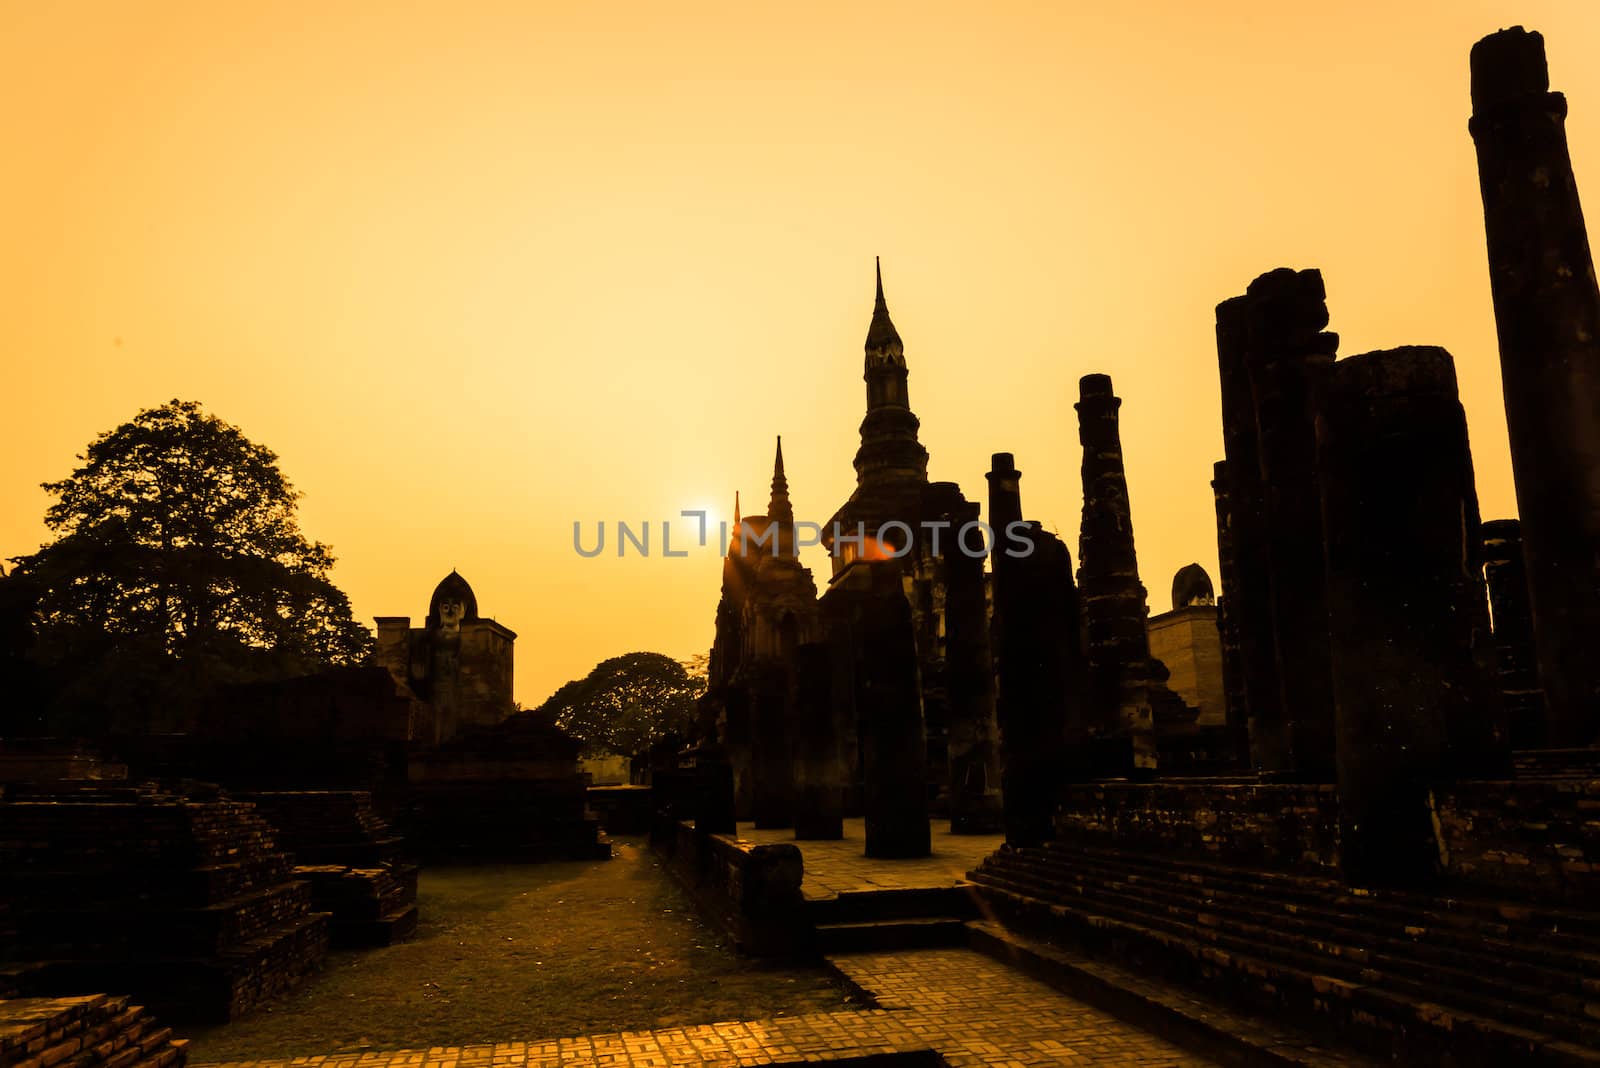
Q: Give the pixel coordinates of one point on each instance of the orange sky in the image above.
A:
(476, 271)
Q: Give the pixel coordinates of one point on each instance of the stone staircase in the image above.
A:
(185, 903)
(352, 859)
(1408, 976)
(859, 921)
(1557, 763)
(92, 1031)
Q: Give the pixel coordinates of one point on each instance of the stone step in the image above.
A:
(1416, 919)
(1474, 991)
(1194, 1020)
(1387, 1022)
(1574, 974)
(1567, 926)
(1480, 985)
(859, 905)
(384, 931)
(95, 1031)
(916, 932)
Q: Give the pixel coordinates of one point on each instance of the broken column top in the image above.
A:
(1408, 369)
(1003, 463)
(1285, 296)
(1508, 65)
(1096, 385)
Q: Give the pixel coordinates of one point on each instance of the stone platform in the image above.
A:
(840, 866)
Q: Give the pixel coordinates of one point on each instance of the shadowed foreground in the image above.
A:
(524, 952)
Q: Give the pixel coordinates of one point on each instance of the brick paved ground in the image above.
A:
(840, 866)
(976, 1011)
(972, 1010)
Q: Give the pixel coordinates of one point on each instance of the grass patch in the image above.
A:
(522, 952)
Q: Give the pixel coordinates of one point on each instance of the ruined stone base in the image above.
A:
(91, 1031)
(367, 906)
(516, 821)
(186, 903)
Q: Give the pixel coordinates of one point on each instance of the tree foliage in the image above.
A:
(179, 566)
(628, 703)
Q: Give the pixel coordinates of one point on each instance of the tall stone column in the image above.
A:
(1547, 315)
(714, 810)
(1037, 661)
(736, 745)
(868, 602)
(771, 755)
(1113, 599)
(1250, 599)
(1235, 702)
(1407, 615)
(1288, 354)
(818, 773)
(973, 741)
(1520, 695)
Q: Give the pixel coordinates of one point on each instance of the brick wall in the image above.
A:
(1533, 839)
(1285, 826)
(752, 892)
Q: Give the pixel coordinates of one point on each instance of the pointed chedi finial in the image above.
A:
(881, 335)
(779, 510)
(735, 507)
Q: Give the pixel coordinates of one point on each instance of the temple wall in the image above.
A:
(1285, 826)
(1189, 643)
(1534, 839)
(484, 692)
(751, 892)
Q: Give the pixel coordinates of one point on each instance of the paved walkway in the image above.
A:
(842, 866)
(975, 1012)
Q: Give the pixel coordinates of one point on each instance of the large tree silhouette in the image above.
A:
(178, 566)
(628, 703)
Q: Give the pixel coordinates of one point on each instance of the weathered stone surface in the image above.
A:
(511, 791)
(751, 891)
(1124, 682)
(353, 860)
(86, 1031)
(1236, 701)
(458, 662)
(818, 771)
(1533, 840)
(1284, 826)
(186, 903)
(1287, 353)
(1407, 614)
(715, 808)
(866, 610)
(1547, 315)
(1249, 594)
(768, 608)
(1507, 577)
(1038, 663)
(972, 742)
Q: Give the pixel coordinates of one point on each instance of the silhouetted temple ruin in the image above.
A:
(1340, 804)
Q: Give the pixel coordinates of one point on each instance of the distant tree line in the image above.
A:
(629, 703)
